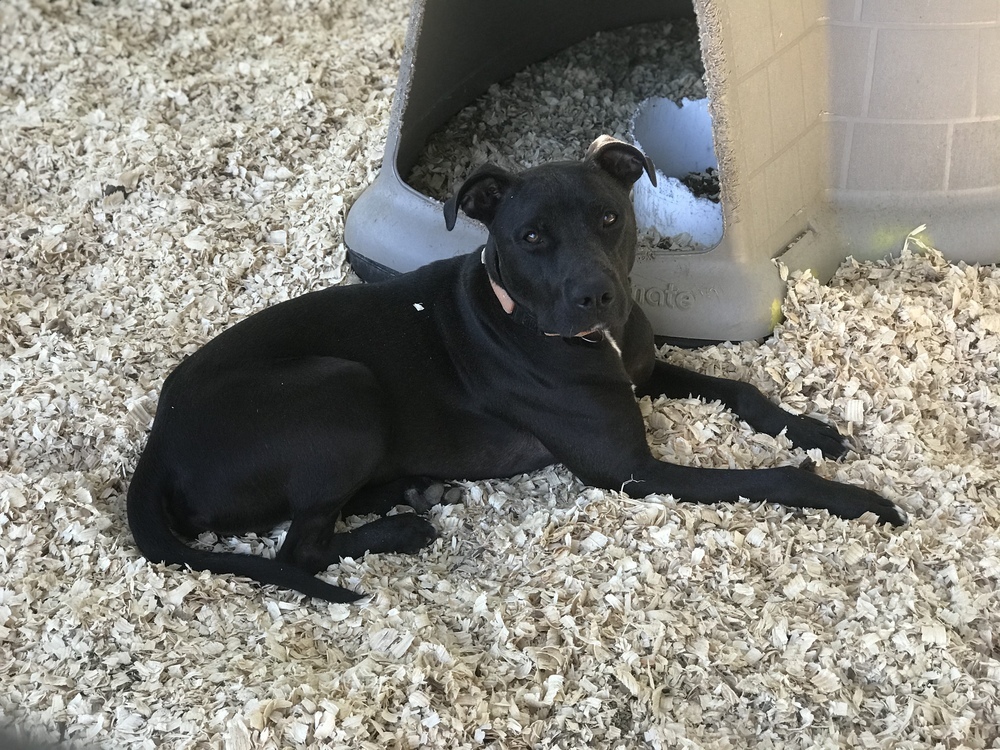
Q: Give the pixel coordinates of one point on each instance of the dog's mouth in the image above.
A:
(570, 321)
(591, 330)
(595, 335)
(580, 335)
(570, 324)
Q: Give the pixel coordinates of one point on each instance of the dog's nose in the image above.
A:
(595, 295)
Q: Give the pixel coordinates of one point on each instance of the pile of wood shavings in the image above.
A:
(167, 172)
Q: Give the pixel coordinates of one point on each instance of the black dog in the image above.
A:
(527, 352)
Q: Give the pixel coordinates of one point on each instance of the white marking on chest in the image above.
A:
(418, 307)
(611, 340)
(614, 345)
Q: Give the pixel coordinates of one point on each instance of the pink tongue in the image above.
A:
(505, 301)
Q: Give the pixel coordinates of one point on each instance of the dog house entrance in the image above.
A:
(643, 83)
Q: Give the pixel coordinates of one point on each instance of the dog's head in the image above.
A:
(562, 236)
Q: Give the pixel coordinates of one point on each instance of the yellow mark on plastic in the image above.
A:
(776, 315)
(886, 239)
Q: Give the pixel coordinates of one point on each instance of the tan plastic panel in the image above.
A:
(896, 124)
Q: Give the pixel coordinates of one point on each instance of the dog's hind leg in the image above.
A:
(379, 499)
(313, 544)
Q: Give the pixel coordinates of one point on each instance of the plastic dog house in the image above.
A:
(839, 126)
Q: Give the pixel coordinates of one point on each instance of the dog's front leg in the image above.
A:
(604, 444)
(788, 485)
(748, 403)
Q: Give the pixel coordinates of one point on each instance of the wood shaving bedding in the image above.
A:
(168, 170)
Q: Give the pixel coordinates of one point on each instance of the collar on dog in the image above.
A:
(520, 315)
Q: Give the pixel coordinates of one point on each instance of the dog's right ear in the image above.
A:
(479, 196)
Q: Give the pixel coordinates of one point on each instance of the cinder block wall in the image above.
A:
(918, 76)
(853, 121)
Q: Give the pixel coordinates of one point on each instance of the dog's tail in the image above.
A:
(151, 529)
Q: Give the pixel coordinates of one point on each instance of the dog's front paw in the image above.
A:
(857, 501)
(891, 514)
(807, 433)
(410, 532)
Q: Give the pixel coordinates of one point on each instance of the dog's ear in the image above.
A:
(622, 161)
(479, 195)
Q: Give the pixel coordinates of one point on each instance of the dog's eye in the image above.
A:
(610, 217)
(532, 237)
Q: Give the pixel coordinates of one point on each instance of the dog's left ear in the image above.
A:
(479, 196)
(622, 161)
